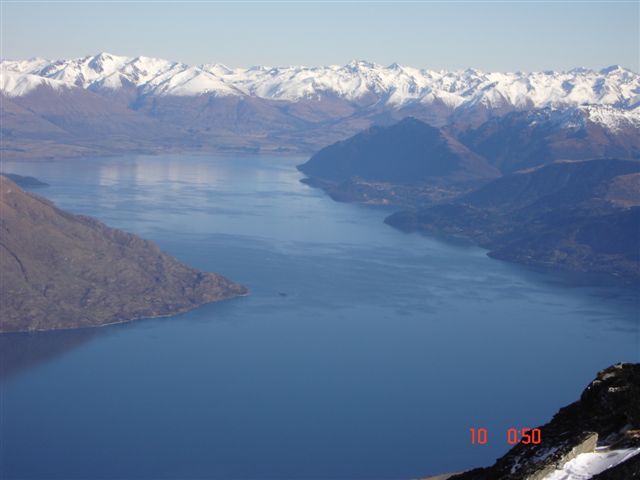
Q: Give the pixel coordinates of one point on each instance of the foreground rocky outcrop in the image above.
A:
(60, 271)
(629, 470)
(607, 415)
(578, 216)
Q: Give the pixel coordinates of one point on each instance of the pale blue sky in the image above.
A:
(497, 35)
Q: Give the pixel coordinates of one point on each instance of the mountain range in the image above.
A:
(357, 81)
(106, 104)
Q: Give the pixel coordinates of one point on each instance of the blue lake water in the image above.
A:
(362, 352)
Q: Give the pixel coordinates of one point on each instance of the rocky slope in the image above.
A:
(580, 216)
(607, 416)
(60, 271)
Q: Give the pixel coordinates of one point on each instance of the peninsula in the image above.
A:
(62, 271)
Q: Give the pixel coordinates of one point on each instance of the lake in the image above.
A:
(362, 352)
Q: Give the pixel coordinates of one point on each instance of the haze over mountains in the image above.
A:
(110, 104)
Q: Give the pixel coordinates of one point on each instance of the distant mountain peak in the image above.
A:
(613, 69)
(98, 62)
(105, 56)
(361, 63)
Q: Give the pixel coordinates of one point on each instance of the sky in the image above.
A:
(498, 35)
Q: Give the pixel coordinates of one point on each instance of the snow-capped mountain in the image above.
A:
(15, 84)
(149, 104)
(394, 85)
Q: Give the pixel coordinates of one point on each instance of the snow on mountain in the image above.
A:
(613, 119)
(586, 465)
(24, 66)
(82, 72)
(394, 85)
(15, 84)
(181, 80)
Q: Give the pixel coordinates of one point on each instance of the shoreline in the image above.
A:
(120, 322)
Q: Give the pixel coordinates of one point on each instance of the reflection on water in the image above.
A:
(21, 351)
(362, 352)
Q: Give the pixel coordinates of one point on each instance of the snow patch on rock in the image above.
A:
(586, 465)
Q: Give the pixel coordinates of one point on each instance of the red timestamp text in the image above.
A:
(526, 436)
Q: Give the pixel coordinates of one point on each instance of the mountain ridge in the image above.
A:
(394, 84)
